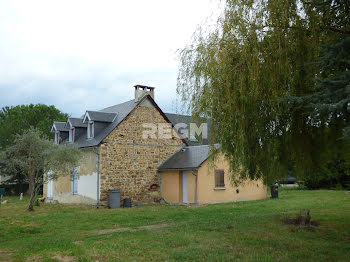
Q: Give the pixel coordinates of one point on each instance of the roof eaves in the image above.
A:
(179, 169)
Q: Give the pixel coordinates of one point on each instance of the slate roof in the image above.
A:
(77, 122)
(188, 157)
(102, 116)
(122, 110)
(61, 126)
(177, 118)
(109, 118)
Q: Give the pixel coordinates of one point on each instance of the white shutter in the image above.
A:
(75, 180)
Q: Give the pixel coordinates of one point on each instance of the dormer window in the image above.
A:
(90, 129)
(71, 134)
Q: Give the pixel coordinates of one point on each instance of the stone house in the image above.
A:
(122, 147)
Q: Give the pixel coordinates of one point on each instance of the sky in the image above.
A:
(86, 55)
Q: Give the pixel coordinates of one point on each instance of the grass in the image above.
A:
(243, 231)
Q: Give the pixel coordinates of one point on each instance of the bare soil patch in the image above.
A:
(5, 255)
(78, 243)
(301, 221)
(63, 258)
(130, 229)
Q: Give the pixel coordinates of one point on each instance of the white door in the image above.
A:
(50, 189)
(184, 187)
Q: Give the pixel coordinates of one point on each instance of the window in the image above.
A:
(193, 138)
(219, 178)
(75, 178)
(71, 134)
(57, 137)
(90, 130)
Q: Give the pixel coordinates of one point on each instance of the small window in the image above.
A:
(90, 130)
(71, 134)
(219, 178)
(75, 180)
(57, 137)
(193, 138)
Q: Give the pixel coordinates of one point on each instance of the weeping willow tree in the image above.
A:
(252, 75)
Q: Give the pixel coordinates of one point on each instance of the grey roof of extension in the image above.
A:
(99, 116)
(77, 122)
(187, 158)
(61, 126)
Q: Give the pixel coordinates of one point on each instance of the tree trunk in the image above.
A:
(31, 201)
(31, 185)
(33, 194)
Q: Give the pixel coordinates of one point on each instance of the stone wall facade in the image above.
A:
(129, 162)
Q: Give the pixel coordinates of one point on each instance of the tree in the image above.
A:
(15, 120)
(245, 73)
(39, 159)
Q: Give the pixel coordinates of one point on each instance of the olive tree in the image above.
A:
(39, 160)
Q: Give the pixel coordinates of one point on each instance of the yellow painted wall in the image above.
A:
(171, 183)
(171, 186)
(206, 191)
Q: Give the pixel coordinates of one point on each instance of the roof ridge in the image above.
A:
(177, 114)
(100, 112)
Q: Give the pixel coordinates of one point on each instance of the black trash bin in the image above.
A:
(114, 198)
(127, 202)
(272, 188)
(274, 191)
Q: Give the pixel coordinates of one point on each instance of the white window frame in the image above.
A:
(193, 138)
(57, 137)
(71, 134)
(91, 133)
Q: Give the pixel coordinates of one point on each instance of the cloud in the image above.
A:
(81, 54)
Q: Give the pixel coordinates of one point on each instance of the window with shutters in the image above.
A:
(219, 178)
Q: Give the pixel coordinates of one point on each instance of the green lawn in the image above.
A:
(244, 231)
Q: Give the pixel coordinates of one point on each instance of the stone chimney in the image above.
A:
(141, 91)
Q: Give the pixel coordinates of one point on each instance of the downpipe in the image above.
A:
(195, 186)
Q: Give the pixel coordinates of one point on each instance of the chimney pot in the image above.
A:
(142, 90)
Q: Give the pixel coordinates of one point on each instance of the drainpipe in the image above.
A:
(195, 186)
(98, 179)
